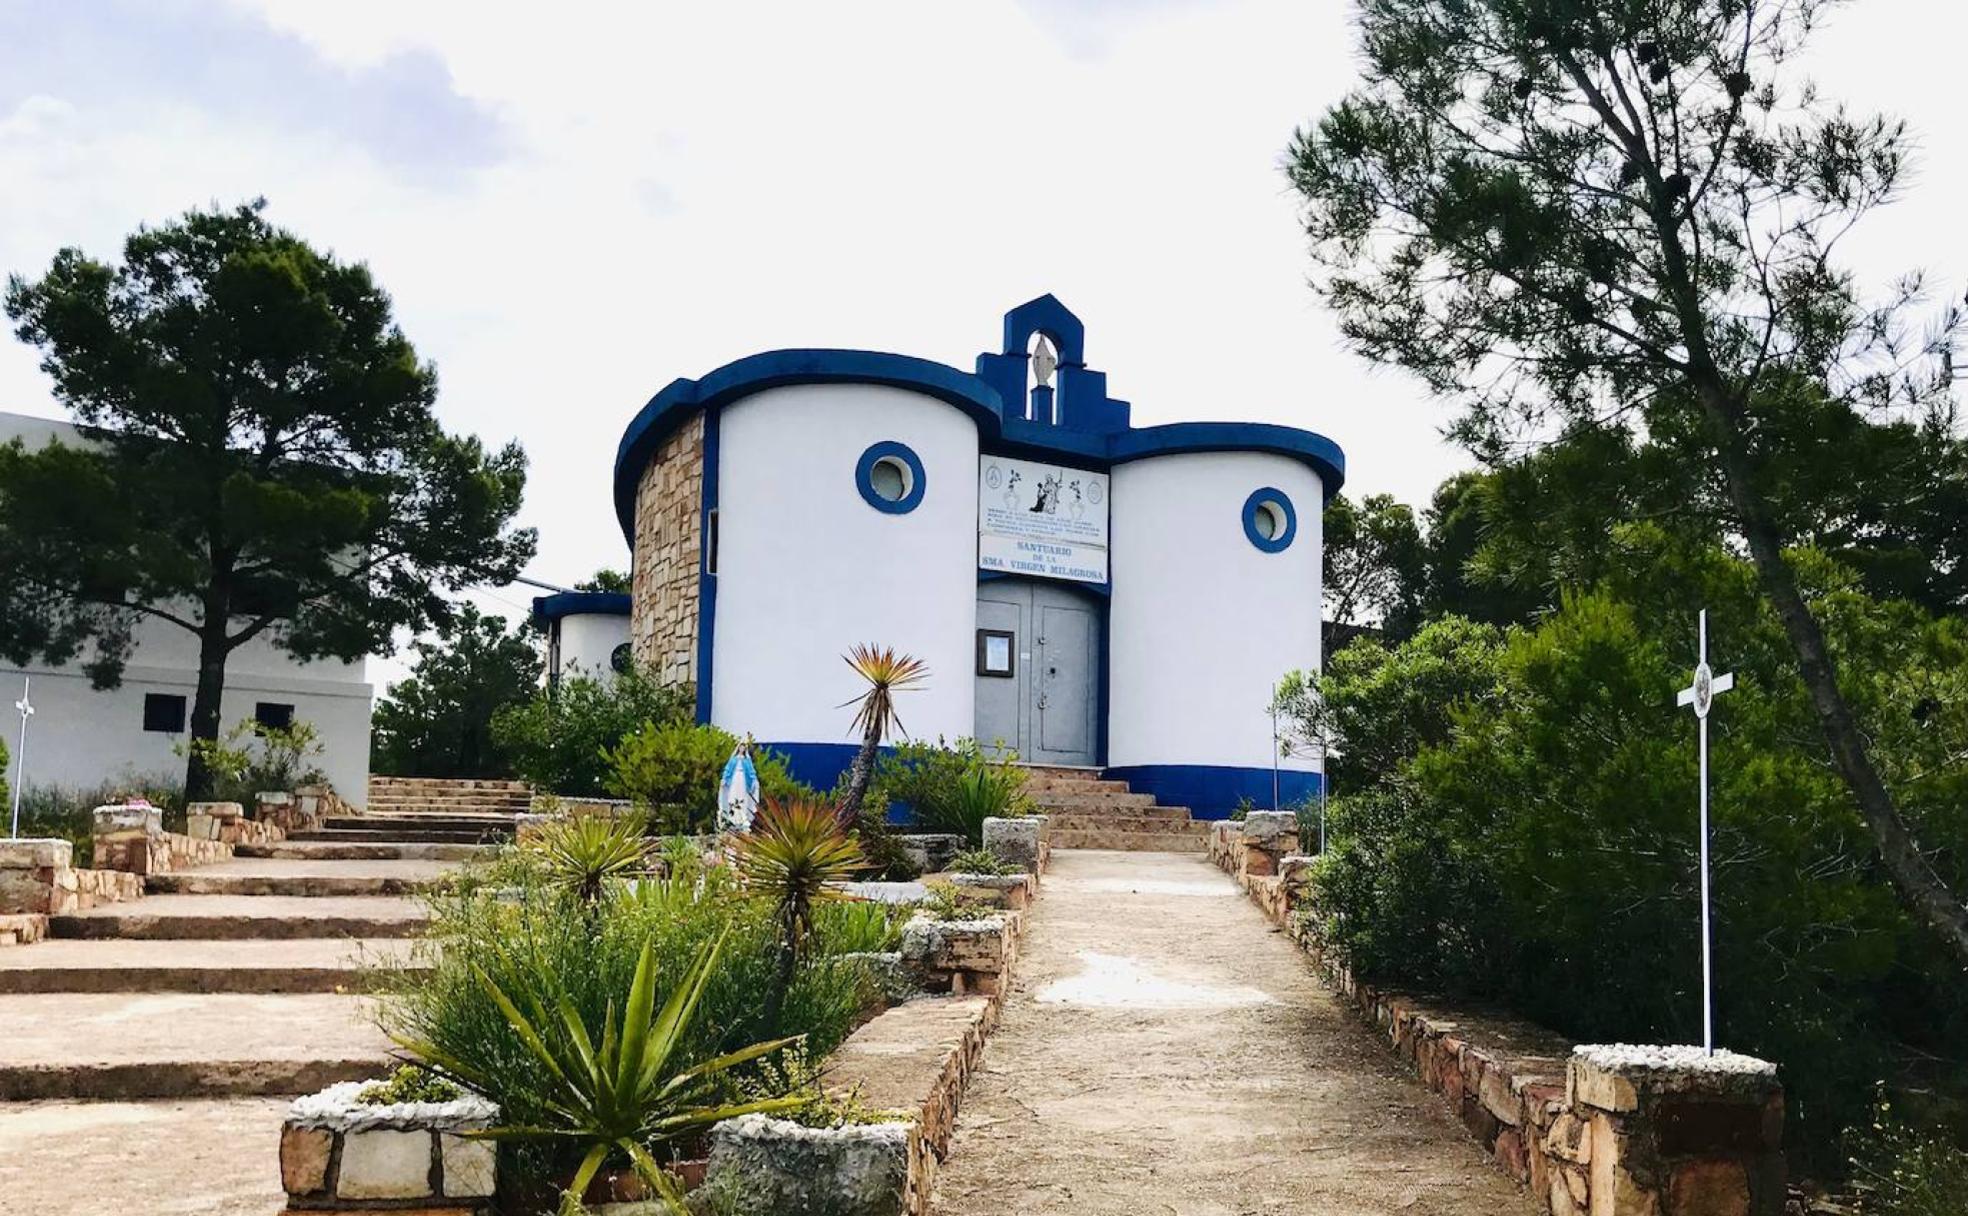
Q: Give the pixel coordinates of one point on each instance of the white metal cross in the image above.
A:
(26, 709)
(1701, 695)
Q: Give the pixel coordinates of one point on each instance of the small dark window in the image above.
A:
(994, 652)
(274, 714)
(711, 542)
(165, 712)
(621, 659)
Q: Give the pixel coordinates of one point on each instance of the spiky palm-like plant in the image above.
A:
(623, 1093)
(582, 853)
(887, 672)
(794, 853)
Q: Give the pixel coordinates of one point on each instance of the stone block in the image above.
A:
(116, 819)
(471, 1167)
(789, 1168)
(1591, 1085)
(1014, 842)
(1494, 1090)
(216, 810)
(1569, 1139)
(304, 1153)
(36, 853)
(384, 1164)
(1275, 831)
(1708, 1188)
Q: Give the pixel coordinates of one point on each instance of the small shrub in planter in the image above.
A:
(953, 788)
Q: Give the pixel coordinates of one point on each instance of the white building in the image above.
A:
(587, 633)
(81, 737)
(1088, 592)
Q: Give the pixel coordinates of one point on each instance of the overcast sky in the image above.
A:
(574, 204)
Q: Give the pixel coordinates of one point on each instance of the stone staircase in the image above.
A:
(237, 978)
(447, 797)
(1087, 811)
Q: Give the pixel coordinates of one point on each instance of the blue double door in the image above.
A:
(1038, 670)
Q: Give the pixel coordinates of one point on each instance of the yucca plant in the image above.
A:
(795, 851)
(582, 853)
(887, 672)
(620, 1095)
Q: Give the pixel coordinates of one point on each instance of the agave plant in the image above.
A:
(582, 853)
(794, 853)
(887, 672)
(623, 1093)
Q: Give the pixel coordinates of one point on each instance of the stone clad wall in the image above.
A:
(668, 548)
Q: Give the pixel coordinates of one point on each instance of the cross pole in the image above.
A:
(1701, 696)
(26, 709)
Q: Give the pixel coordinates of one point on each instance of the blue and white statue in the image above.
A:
(738, 790)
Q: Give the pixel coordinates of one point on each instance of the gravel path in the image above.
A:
(1164, 1050)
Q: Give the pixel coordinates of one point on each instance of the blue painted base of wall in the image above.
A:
(820, 765)
(1212, 791)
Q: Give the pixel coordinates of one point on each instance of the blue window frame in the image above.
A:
(1270, 522)
(890, 477)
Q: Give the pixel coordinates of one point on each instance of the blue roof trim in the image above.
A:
(1090, 427)
(668, 409)
(575, 603)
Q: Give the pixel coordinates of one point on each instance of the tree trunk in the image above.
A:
(859, 775)
(1919, 885)
(205, 710)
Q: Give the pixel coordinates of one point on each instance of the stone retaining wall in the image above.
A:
(1607, 1130)
(132, 839)
(226, 822)
(23, 928)
(38, 879)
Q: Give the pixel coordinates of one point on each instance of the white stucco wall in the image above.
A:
(1203, 622)
(81, 737)
(587, 639)
(807, 569)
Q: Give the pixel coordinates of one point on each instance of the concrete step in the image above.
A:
(232, 917)
(1091, 802)
(400, 836)
(1159, 841)
(203, 1156)
(1074, 785)
(446, 822)
(317, 850)
(1129, 816)
(175, 1045)
(314, 879)
(302, 965)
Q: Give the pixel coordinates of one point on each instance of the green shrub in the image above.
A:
(858, 926)
(620, 1087)
(671, 771)
(1514, 821)
(953, 788)
(252, 758)
(410, 1083)
(538, 944)
(557, 739)
(1901, 1171)
(980, 861)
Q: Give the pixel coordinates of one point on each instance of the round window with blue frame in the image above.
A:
(890, 477)
(1269, 520)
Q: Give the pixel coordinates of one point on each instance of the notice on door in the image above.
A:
(1045, 520)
